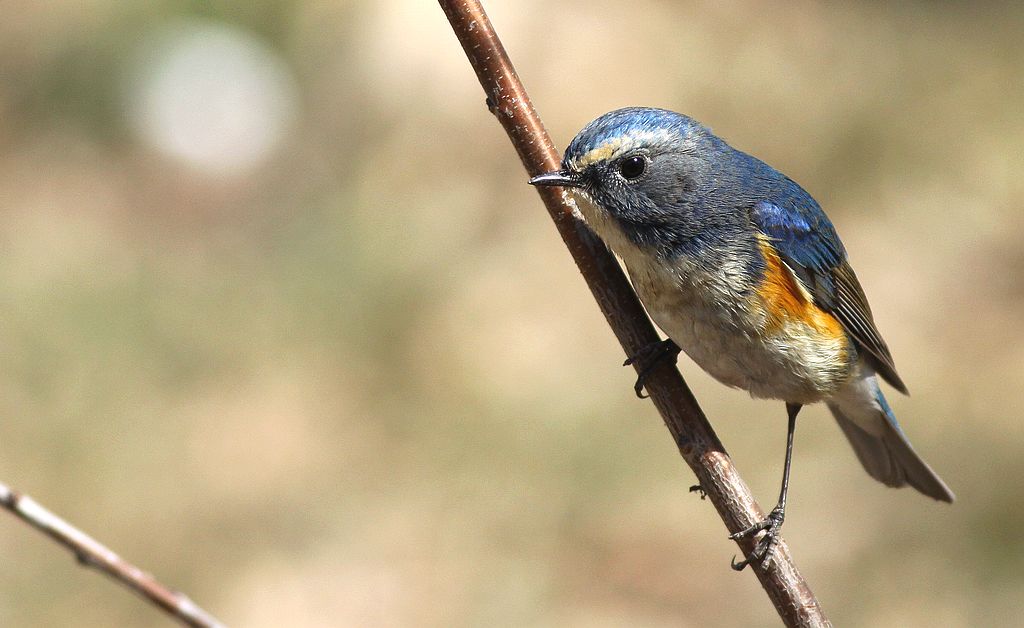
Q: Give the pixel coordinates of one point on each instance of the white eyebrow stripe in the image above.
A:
(621, 144)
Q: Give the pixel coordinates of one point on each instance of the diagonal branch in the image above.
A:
(92, 553)
(697, 442)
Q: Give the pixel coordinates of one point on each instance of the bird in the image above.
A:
(745, 273)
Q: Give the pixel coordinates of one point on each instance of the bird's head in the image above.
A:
(642, 168)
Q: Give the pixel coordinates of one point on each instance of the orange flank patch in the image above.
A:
(785, 300)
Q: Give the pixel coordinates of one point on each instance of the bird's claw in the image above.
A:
(697, 488)
(648, 358)
(762, 552)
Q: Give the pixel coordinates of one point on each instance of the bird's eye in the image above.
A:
(632, 168)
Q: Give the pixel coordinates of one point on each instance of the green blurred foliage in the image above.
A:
(362, 383)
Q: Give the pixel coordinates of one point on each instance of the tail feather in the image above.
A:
(880, 445)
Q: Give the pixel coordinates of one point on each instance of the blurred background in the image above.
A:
(282, 322)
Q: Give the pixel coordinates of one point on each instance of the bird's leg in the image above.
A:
(648, 358)
(772, 524)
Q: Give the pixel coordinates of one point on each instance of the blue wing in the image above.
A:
(807, 242)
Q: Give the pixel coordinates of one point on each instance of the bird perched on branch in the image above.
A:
(746, 274)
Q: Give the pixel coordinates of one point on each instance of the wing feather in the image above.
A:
(808, 243)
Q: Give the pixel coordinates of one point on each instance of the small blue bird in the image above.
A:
(743, 271)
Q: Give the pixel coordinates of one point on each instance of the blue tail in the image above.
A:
(870, 425)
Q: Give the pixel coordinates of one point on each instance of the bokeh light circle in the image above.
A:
(211, 95)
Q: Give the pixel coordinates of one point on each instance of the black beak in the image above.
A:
(557, 178)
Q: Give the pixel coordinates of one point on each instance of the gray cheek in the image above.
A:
(668, 187)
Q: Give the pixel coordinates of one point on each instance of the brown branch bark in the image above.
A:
(92, 553)
(697, 442)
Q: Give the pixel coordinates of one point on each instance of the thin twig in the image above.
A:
(92, 553)
(697, 442)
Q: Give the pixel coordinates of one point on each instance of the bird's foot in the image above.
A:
(648, 358)
(697, 488)
(762, 552)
